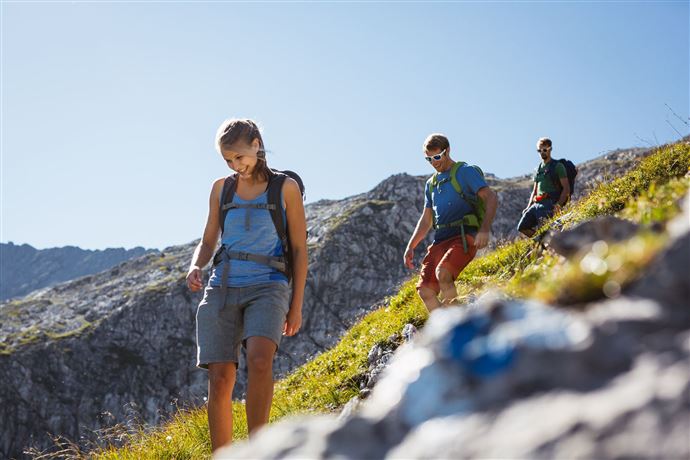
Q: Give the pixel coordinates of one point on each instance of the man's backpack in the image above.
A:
(570, 170)
(473, 219)
(275, 206)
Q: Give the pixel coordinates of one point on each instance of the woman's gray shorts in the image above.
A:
(226, 320)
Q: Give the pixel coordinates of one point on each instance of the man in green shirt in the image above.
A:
(550, 192)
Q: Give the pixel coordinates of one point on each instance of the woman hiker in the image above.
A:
(248, 300)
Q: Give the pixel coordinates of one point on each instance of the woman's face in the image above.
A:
(241, 157)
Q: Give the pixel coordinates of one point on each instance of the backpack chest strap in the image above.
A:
(462, 224)
(247, 216)
(468, 220)
(267, 206)
(224, 256)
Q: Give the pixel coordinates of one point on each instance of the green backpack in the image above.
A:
(473, 219)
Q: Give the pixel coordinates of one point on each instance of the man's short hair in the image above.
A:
(544, 141)
(436, 141)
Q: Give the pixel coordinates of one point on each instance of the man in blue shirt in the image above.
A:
(458, 236)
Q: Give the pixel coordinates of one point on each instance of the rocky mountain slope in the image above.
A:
(24, 268)
(101, 349)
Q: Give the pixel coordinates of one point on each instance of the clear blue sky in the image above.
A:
(109, 110)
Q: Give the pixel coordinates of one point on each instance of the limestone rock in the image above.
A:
(609, 229)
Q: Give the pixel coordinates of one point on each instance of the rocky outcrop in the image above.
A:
(120, 344)
(502, 378)
(24, 268)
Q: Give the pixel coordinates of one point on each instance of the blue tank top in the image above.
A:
(250, 230)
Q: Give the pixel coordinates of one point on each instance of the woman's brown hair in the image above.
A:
(245, 130)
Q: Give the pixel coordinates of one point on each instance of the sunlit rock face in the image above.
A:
(501, 378)
(120, 345)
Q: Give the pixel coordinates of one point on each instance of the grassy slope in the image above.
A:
(646, 194)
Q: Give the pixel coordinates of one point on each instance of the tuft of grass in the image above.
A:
(658, 203)
(185, 436)
(667, 163)
(602, 271)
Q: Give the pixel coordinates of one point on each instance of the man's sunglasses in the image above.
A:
(436, 157)
(544, 150)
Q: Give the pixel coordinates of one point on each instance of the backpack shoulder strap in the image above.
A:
(226, 196)
(434, 180)
(454, 177)
(275, 189)
(431, 183)
(553, 175)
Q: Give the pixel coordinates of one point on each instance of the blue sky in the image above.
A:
(109, 110)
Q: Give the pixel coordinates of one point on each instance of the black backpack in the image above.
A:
(570, 170)
(275, 206)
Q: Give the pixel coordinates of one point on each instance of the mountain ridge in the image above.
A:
(24, 268)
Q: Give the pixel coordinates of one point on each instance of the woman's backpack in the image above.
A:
(274, 206)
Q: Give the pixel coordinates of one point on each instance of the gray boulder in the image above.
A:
(605, 228)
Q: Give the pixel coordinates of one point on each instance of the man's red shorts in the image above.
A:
(448, 254)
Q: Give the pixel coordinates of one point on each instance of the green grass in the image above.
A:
(647, 194)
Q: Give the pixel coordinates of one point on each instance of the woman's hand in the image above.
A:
(194, 282)
(293, 321)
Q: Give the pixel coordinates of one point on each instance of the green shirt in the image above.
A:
(545, 183)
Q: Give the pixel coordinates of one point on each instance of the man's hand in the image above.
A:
(293, 321)
(194, 282)
(482, 239)
(556, 208)
(409, 254)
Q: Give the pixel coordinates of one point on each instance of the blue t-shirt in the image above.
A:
(447, 204)
(250, 230)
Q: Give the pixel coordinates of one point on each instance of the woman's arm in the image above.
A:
(207, 245)
(297, 231)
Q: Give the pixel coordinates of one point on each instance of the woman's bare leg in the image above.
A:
(221, 381)
(260, 351)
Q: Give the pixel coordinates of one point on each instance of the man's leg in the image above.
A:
(528, 221)
(446, 282)
(260, 351)
(221, 381)
(453, 262)
(429, 297)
